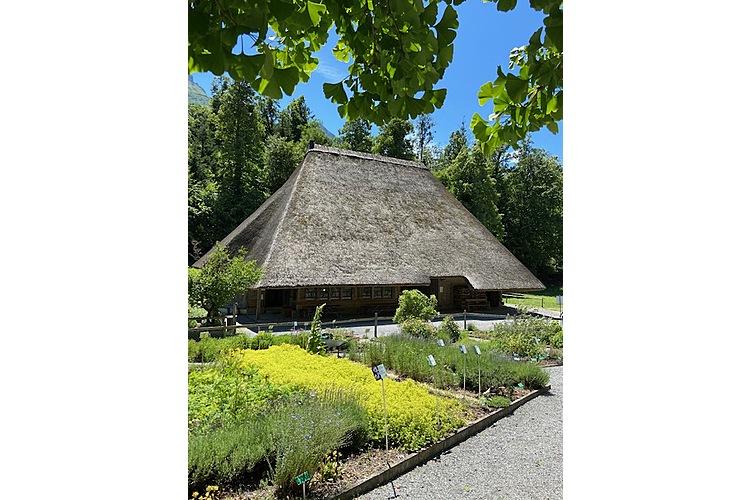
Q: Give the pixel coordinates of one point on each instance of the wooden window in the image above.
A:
(346, 293)
(335, 293)
(377, 292)
(309, 294)
(323, 294)
(366, 293)
(387, 292)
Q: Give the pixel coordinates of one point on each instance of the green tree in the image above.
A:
(313, 132)
(239, 135)
(357, 135)
(282, 158)
(458, 142)
(397, 52)
(269, 113)
(393, 140)
(220, 280)
(202, 148)
(294, 118)
(532, 197)
(423, 126)
(413, 304)
(469, 177)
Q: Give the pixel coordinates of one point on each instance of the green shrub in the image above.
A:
(450, 328)
(292, 436)
(413, 304)
(556, 340)
(497, 402)
(208, 349)
(263, 340)
(195, 312)
(526, 336)
(417, 328)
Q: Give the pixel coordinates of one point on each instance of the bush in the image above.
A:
(450, 328)
(526, 336)
(556, 340)
(208, 349)
(417, 328)
(292, 436)
(263, 340)
(413, 304)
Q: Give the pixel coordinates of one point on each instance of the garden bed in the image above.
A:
(361, 472)
(325, 417)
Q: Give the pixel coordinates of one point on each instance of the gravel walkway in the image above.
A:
(519, 457)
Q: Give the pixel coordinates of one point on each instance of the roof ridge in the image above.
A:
(366, 156)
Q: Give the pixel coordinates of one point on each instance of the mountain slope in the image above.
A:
(196, 94)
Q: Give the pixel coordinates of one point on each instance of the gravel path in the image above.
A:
(519, 457)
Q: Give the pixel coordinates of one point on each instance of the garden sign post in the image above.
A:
(462, 348)
(302, 479)
(380, 374)
(433, 364)
(479, 367)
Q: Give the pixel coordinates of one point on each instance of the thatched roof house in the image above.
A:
(360, 225)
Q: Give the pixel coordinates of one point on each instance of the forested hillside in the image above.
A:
(243, 146)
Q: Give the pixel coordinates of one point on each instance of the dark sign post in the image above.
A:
(380, 374)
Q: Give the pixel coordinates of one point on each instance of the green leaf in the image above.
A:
(486, 92)
(316, 11)
(517, 88)
(479, 127)
(335, 92)
(552, 127)
(506, 5)
(287, 78)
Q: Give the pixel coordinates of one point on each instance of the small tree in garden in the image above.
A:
(314, 342)
(220, 280)
(413, 304)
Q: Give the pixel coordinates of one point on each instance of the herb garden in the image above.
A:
(264, 411)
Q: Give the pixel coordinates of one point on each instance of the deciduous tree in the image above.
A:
(397, 50)
(393, 140)
(220, 280)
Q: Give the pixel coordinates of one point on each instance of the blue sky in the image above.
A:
(484, 41)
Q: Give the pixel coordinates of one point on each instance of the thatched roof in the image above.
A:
(350, 218)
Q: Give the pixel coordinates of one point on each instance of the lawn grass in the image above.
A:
(544, 299)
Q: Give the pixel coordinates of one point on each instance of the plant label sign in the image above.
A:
(379, 372)
(462, 348)
(431, 360)
(476, 349)
(441, 343)
(302, 478)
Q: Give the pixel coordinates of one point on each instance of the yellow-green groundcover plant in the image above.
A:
(415, 418)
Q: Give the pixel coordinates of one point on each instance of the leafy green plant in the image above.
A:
(194, 314)
(497, 402)
(556, 340)
(220, 279)
(332, 467)
(417, 328)
(315, 344)
(413, 304)
(449, 327)
(263, 340)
